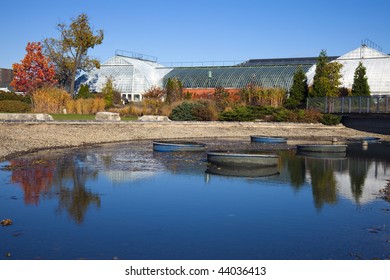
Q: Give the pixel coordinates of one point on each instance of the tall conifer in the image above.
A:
(360, 85)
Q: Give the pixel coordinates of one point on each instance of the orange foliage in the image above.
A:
(34, 177)
(34, 71)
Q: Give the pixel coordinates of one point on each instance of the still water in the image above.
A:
(125, 201)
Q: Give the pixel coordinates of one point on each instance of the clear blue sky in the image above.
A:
(202, 30)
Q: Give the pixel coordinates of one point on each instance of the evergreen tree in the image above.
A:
(84, 92)
(299, 89)
(360, 85)
(326, 81)
(318, 87)
(331, 80)
(174, 90)
(109, 92)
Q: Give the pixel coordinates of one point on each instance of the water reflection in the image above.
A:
(34, 176)
(62, 178)
(71, 180)
(323, 181)
(69, 176)
(296, 168)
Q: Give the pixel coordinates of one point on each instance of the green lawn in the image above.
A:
(77, 117)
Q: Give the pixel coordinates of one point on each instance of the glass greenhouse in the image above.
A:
(131, 76)
(135, 74)
(236, 76)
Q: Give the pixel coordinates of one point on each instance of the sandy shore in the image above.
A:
(19, 138)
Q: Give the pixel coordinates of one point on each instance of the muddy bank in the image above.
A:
(19, 138)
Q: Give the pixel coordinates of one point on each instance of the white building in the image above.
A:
(377, 66)
(134, 74)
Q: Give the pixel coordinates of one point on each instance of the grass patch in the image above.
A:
(72, 117)
(80, 117)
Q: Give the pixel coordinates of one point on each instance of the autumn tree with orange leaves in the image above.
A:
(34, 71)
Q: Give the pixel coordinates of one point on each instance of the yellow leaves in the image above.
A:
(85, 106)
(50, 100)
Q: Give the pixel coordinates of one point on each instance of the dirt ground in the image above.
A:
(20, 138)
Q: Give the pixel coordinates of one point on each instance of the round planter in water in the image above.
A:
(328, 156)
(264, 139)
(315, 148)
(236, 171)
(242, 159)
(364, 139)
(178, 146)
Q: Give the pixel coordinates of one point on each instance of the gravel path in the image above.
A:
(19, 138)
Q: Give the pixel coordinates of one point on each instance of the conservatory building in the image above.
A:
(134, 74)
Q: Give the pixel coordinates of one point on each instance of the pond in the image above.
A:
(125, 201)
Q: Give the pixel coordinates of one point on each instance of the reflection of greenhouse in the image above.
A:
(133, 74)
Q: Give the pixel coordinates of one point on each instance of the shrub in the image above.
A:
(13, 96)
(205, 111)
(239, 113)
(194, 111)
(152, 106)
(183, 112)
(14, 106)
(329, 119)
(309, 116)
(50, 100)
(84, 92)
(284, 115)
(110, 94)
(255, 95)
(155, 93)
(85, 106)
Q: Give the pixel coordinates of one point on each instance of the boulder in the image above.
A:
(151, 118)
(25, 117)
(107, 117)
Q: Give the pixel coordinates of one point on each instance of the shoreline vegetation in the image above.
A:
(19, 138)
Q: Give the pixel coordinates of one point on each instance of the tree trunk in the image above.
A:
(73, 77)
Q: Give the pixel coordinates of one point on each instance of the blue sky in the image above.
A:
(181, 31)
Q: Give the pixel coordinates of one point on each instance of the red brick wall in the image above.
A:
(207, 93)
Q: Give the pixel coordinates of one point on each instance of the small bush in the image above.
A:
(284, 115)
(309, 116)
(329, 119)
(194, 111)
(247, 113)
(205, 111)
(239, 113)
(84, 92)
(50, 100)
(14, 106)
(85, 106)
(183, 112)
(13, 96)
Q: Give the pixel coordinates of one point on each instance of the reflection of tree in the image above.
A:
(65, 175)
(358, 173)
(296, 168)
(34, 176)
(75, 200)
(323, 181)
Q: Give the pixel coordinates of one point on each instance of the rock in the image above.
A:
(6, 222)
(107, 116)
(25, 117)
(151, 118)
